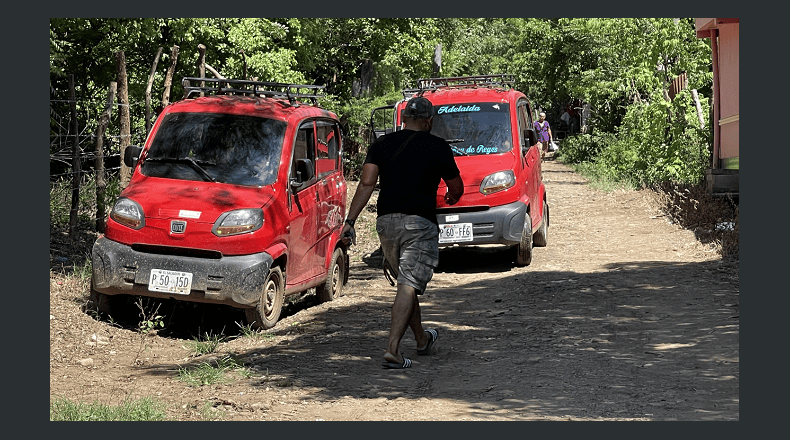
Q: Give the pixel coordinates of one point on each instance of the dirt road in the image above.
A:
(623, 316)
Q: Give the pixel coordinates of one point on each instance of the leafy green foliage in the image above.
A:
(620, 66)
(356, 124)
(658, 141)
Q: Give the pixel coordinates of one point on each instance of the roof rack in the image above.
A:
(498, 80)
(242, 87)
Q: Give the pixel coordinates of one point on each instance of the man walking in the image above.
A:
(409, 165)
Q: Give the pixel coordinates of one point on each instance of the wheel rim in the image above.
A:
(271, 297)
(336, 275)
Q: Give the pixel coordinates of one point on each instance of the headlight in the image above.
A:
(238, 222)
(501, 180)
(128, 213)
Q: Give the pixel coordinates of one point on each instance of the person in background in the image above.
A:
(544, 134)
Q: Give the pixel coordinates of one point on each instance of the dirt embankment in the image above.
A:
(623, 316)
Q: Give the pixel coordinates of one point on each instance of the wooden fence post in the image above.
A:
(148, 92)
(101, 183)
(123, 113)
(201, 65)
(75, 162)
(169, 77)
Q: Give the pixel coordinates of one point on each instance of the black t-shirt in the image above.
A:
(410, 178)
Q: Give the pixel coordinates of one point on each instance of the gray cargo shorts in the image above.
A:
(410, 244)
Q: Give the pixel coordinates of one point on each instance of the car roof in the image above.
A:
(474, 94)
(460, 89)
(282, 101)
(268, 107)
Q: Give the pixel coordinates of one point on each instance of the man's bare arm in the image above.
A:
(367, 183)
(455, 189)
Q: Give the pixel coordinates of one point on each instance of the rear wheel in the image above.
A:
(524, 249)
(266, 314)
(333, 286)
(540, 239)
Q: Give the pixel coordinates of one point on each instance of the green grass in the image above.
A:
(208, 374)
(60, 194)
(204, 345)
(599, 179)
(140, 410)
(83, 271)
(207, 414)
(255, 334)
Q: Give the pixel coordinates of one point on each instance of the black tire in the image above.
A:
(100, 302)
(541, 237)
(333, 286)
(117, 307)
(524, 249)
(266, 314)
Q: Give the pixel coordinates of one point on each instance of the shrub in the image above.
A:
(658, 141)
(355, 117)
(583, 147)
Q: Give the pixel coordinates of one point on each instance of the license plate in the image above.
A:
(170, 281)
(455, 232)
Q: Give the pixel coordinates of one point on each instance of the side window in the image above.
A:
(303, 164)
(524, 121)
(327, 148)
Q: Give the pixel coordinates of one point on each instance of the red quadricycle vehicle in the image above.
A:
(490, 128)
(236, 198)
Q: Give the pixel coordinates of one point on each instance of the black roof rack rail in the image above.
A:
(424, 84)
(243, 87)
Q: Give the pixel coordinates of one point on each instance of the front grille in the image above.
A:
(177, 251)
(461, 209)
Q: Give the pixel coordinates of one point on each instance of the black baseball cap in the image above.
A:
(419, 108)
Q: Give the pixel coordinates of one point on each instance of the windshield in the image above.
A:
(216, 147)
(474, 128)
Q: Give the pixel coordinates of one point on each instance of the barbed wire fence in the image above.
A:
(63, 142)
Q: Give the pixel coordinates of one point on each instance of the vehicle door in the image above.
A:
(303, 208)
(531, 157)
(329, 176)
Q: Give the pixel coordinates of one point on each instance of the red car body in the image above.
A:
(234, 191)
(490, 127)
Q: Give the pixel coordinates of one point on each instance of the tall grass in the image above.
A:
(199, 346)
(209, 373)
(60, 195)
(140, 410)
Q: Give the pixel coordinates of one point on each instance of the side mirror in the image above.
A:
(530, 137)
(377, 131)
(131, 155)
(304, 172)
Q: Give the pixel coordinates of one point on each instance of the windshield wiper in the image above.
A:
(454, 141)
(195, 164)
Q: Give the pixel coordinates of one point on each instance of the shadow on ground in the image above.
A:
(646, 340)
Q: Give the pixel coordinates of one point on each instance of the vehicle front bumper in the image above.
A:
(236, 281)
(496, 225)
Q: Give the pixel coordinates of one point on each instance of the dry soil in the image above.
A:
(623, 316)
